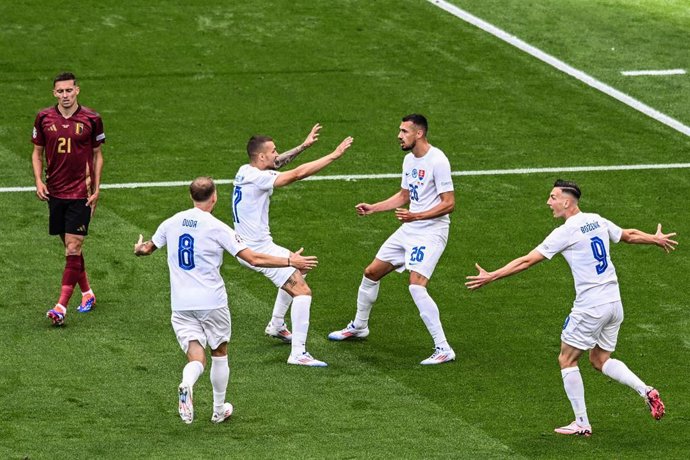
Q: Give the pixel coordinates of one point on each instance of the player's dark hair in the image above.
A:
(65, 76)
(569, 187)
(418, 120)
(202, 189)
(255, 143)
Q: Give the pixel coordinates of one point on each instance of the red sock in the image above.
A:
(70, 276)
(83, 279)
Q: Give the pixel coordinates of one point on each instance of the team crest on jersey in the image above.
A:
(79, 128)
(414, 173)
(421, 173)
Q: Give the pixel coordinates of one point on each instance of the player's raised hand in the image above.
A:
(475, 282)
(344, 145)
(664, 240)
(301, 262)
(364, 209)
(139, 243)
(312, 137)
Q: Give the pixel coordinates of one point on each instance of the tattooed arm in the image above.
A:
(287, 157)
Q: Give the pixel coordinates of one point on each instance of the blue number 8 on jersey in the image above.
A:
(185, 252)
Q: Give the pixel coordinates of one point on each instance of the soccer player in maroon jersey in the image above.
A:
(69, 135)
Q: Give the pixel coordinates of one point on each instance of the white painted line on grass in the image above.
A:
(637, 73)
(354, 177)
(562, 66)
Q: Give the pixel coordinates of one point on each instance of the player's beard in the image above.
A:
(407, 148)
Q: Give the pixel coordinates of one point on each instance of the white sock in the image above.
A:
(428, 310)
(280, 307)
(90, 291)
(191, 372)
(575, 389)
(619, 372)
(366, 296)
(300, 323)
(220, 374)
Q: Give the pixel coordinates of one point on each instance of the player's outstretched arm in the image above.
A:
(663, 240)
(287, 157)
(311, 168)
(396, 201)
(296, 259)
(144, 248)
(512, 267)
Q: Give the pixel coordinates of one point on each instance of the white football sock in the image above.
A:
(300, 323)
(191, 372)
(619, 372)
(220, 374)
(280, 308)
(428, 310)
(575, 390)
(366, 296)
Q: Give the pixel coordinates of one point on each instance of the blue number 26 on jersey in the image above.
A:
(185, 252)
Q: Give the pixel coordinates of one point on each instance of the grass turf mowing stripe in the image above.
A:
(347, 177)
(562, 66)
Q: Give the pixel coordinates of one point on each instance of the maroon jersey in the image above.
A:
(68, 144)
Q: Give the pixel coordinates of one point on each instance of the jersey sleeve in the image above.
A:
(97, 133)
(37, 136)
(229, 240)
(442, 175)
(265, 179)
(556, 242)
(160, 237)
(615, 232)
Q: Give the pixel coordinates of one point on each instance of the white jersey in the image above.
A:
(584, 241)
(426, 178)
(250, 201)
(196, 241)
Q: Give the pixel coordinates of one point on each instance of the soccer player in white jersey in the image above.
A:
(200, 316)
(254, 185)
(427, 186)
(597, 312)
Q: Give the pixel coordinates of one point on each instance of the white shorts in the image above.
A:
(208, 327)
(414, 251)
(277, 275)
(584, 329)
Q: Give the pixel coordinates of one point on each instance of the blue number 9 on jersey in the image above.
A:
(185, 252)
(599, 253)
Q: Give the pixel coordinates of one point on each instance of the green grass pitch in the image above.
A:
(182, 85)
